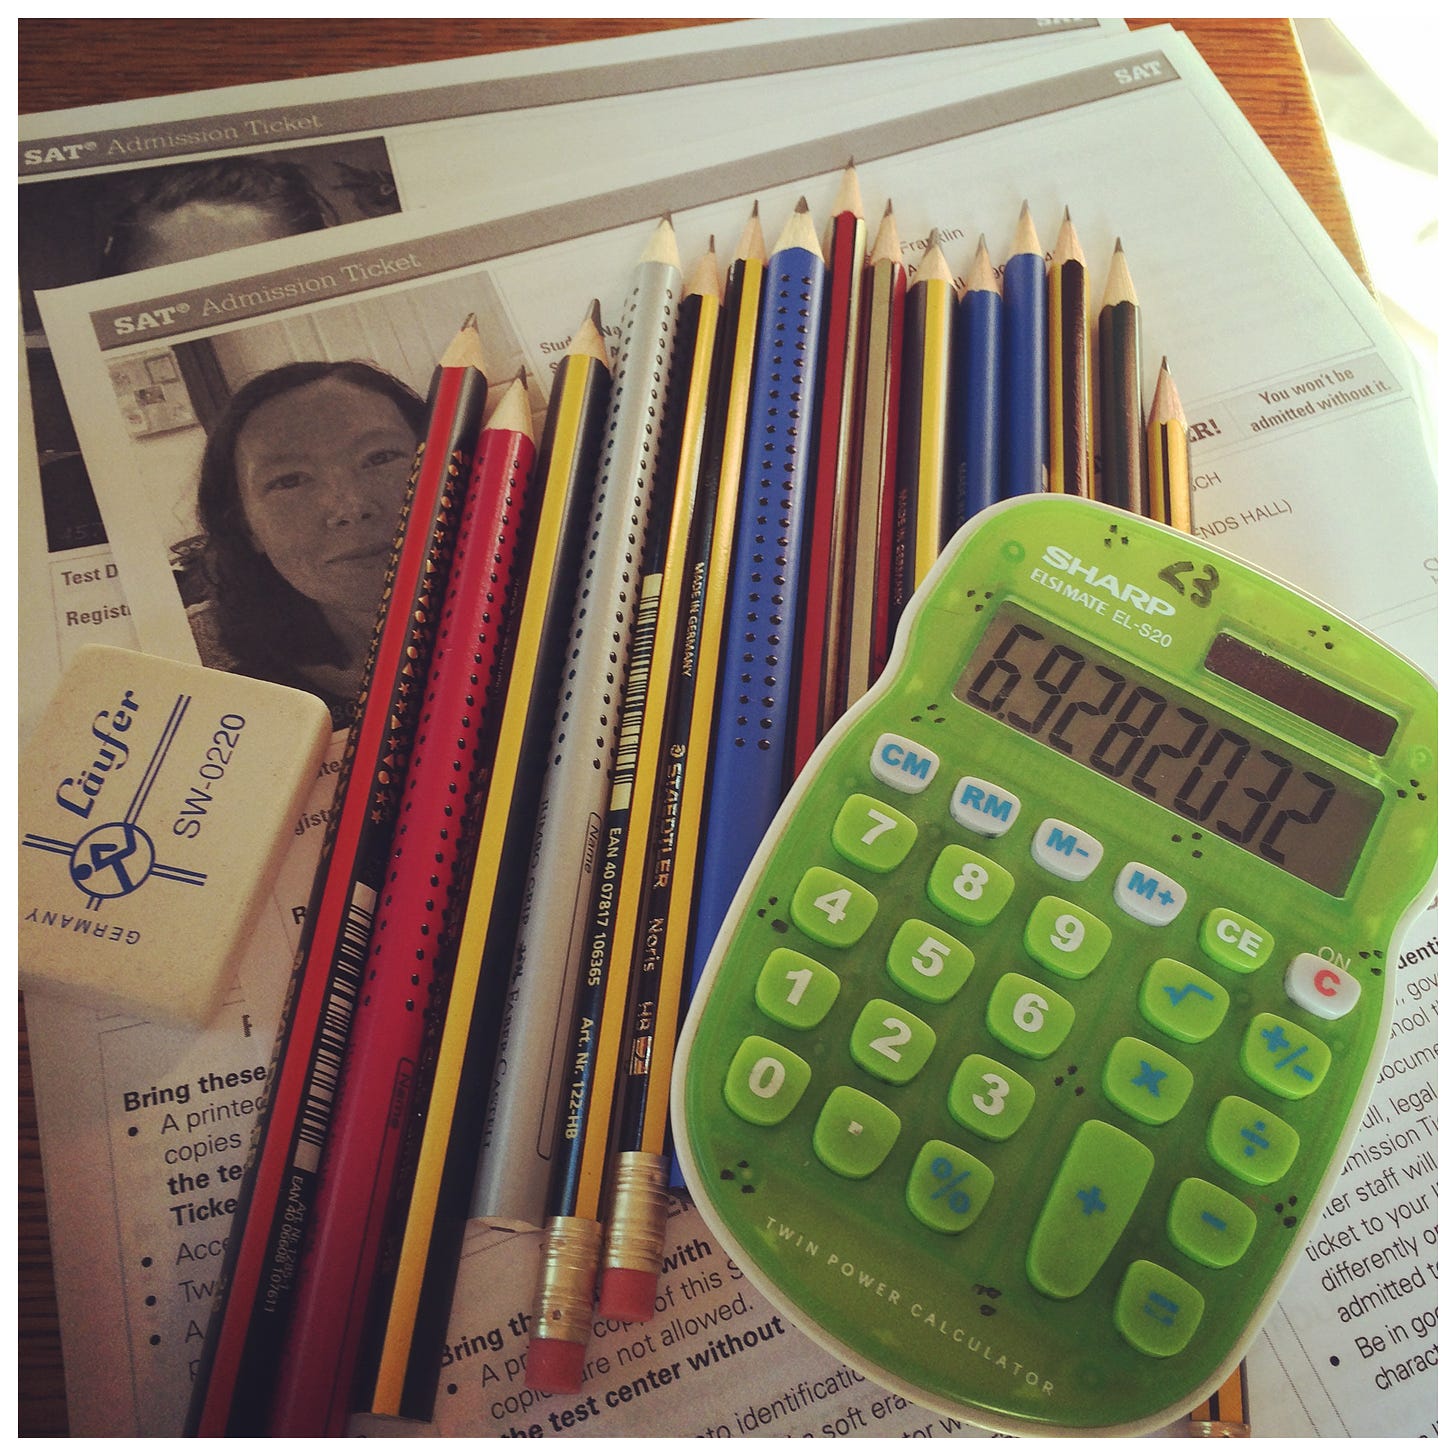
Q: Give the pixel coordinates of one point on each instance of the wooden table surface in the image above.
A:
(64, 63)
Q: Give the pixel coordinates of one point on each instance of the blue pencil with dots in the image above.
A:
(751, 732)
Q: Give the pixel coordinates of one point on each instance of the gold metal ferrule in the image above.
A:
(637, 1218)
(566, 1284)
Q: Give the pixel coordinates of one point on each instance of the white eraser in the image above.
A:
(156, 799)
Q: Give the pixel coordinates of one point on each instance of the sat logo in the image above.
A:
(69, 152)
(156, 318)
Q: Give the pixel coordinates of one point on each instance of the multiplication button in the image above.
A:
(1145, 1081)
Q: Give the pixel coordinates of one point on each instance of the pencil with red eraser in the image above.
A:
(239, 1362)
(411, 952)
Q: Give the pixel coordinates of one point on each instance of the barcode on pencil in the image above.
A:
(343, 995)
(634, 701)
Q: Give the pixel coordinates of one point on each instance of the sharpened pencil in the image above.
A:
(866, 644)
(276, 1200)
(1170, 496)
(1069, 368)
(826, 532)
(412, 949)
(407, 1372)
(925, 477)
(519, 1141)
(1122, 475)
(977, 388)
(566, 1283)
(752, 753)
(1025, 382)
(637, 1217)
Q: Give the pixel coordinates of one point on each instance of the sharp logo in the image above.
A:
(1070, 564)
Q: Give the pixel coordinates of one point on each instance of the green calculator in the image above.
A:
(1048, 1007)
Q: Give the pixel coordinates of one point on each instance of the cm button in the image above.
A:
(903, 764)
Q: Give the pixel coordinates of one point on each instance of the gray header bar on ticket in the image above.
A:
(334, 278)
(351, 115)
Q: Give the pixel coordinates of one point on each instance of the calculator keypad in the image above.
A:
(1066, 938)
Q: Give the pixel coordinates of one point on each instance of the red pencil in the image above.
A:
(825, 535)
(411, 953)
(275, 1203)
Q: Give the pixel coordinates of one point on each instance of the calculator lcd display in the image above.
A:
(1217, 771)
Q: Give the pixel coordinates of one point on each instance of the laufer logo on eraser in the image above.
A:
(156, 798)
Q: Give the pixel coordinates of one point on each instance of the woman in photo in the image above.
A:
(299, 498)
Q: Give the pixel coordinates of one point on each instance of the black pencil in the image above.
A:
(1122, 480)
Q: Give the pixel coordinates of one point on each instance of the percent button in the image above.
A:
(948, 1187)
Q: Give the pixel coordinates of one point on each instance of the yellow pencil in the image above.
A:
(637, 1214)
(566, 1283)
(1170, 496)
(925, 480)
(574, 422)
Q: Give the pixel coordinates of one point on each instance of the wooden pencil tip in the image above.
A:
(1117, 246)
(1163, 367)
(889, 207)
(802, 205)
(755, 207)
(470, 322)
(594, 313)
(513, 409)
